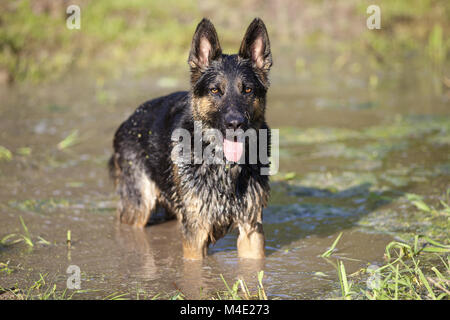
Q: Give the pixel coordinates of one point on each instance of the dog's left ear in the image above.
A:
(205, 46)
(256, 45)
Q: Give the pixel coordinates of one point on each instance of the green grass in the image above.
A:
(45, 289)
(24, 237)
(41, 206)
(6, 268)
(37, 46)
(68, 141)
(24, 151)
(408, 275)
(416, 271)
(142, 35)
(239, 290)
(330, 251)
(5, 154)
(413, 215)
(16, 238)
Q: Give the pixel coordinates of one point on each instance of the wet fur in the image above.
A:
(208, 200)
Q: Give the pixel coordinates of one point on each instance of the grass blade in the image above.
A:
(68, 141)
(328, 253)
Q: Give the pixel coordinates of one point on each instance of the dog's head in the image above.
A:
(229, 91)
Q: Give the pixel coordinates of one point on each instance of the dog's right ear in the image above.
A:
(204, 49)
(256, 46)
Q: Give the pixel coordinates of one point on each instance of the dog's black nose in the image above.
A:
(235, 122)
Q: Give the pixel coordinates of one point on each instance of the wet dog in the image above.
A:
(228, 92)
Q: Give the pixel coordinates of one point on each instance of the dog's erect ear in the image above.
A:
(256, 45)
(205, 46)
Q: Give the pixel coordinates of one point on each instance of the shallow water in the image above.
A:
(348, 155)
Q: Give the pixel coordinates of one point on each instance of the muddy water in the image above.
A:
(348, 154)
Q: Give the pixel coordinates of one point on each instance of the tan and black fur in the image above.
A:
(208, 199)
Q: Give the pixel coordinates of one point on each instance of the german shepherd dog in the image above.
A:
(228, 92)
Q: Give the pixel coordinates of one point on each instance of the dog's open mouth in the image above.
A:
(233, 149)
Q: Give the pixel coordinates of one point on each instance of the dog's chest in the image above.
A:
(220, 192)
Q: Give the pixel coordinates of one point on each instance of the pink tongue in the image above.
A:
(232, 150)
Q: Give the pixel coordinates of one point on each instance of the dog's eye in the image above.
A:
(214, 91)
(248, 90)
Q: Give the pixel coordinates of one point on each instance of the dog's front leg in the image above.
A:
(195, 244)
(250, 243)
